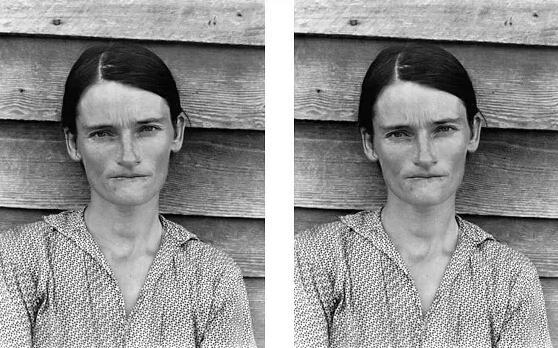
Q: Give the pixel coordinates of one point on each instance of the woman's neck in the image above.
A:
(124, 231)
(421, 231)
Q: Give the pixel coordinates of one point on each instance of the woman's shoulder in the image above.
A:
(325, 244)
(203, 255)
(325, 233)
(24, 235)
(25, 246)
(497, 256)
(339, 231)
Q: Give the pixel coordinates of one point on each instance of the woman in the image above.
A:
(116, 273)
(413, 273)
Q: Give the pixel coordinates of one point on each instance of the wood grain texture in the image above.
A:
(256, 295)
(219, 86)
(219, 21)
(517, 87)
(242, 239)
(550, 291)
(531, 22)
(217, 172)
(535, 238)
(513, 173)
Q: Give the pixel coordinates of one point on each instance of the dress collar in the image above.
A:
(71, 224)
(368, 224)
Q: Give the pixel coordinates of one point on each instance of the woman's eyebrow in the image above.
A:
(152, 120)
(408, 125)
(395, 126)
(106, 125)
(96, 127)
(447, 120)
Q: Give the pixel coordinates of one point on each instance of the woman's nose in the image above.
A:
(425, 156)
(129, 155)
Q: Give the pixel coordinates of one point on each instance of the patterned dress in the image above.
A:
(57, 290)
(352, 289)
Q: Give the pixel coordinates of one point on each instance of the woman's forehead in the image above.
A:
(110, 102)
(410, 103)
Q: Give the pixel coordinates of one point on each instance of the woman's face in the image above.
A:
(421, 138)
(124, 140)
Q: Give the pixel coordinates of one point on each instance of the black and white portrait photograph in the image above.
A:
(425, 174)
(297, 173)
(132, 173)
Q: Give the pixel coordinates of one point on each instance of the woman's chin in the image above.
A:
(425, 197)
(128, 197)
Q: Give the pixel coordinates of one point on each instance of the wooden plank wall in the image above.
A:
(215, 51)
(510, 50)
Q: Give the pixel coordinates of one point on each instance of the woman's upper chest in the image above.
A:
(86, 303)
(382, 301)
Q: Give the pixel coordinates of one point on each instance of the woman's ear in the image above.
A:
(368, 145)
(71, 145)
(178, 133)
(475, 133)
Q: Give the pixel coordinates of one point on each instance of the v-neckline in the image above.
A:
(451, 270)
(156, 267)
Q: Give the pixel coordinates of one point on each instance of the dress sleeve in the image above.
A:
(311, 322)
(317, 283)
(17, 294)
(230, 324)
(526, 322)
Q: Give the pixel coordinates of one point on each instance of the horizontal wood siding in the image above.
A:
(550, 291)
(531, 22)
(516, 88)
(255, 288)
(220, 86)
(214, 49)
(217, 21)
(510, 52)
(217, 172)
(332, 172)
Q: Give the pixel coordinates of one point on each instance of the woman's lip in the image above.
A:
(129, 176)
(425, 176)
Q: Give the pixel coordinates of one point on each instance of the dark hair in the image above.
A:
(423, 64)
(129, 64)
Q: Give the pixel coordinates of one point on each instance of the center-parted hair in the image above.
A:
(424, 64)
(129, 64)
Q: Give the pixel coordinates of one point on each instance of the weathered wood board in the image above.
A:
(550, 291)
(513, 173)
(228, 22)
(531, 22)
(219, 86)
(242, 239)
(256, 295)
(517, 87)
(217, 172)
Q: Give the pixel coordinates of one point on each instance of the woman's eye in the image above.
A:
(443, 129)
(148, 128)
(100, 134)
(396, 134)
